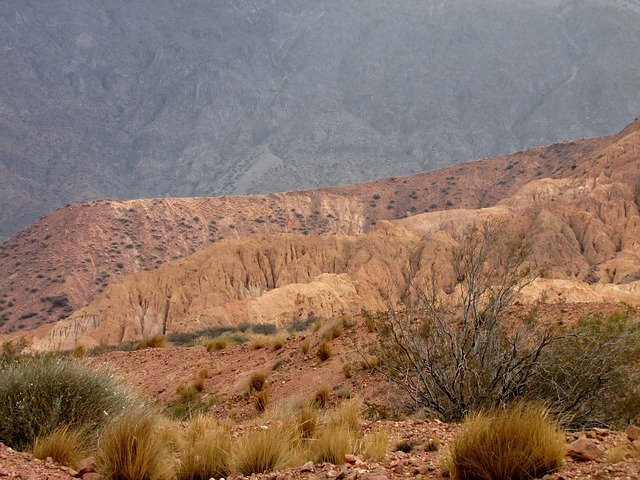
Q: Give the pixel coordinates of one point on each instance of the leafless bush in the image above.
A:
(460, 352)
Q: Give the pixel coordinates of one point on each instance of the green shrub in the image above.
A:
(590, 375)
(516, 443)
(39, 395)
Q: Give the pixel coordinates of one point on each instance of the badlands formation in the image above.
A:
(583, 225)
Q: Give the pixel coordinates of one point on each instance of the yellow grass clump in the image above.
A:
(516, 443)
(64, 445)
(264, 450)
(157, 341)
(134, 448)
(206, 451)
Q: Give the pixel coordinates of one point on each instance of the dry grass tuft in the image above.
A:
(333, 331)
(347, 321)
(215, 344)
(261, 400)
(259, 341)
(305, 346)
(257, 382)
(307, 419)
(206, 452)
(325, 351)
(373, 446)
(157, 341)
(80, 351)
(64, 445)
(133, 448)
(346, 369)
(278, 342)
(371, 362)
(333, 443)
(321, 397)
(616, 454)
(516, 443)
(348, 413)
(265, 450)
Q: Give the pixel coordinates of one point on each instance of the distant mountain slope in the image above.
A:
(147, 98)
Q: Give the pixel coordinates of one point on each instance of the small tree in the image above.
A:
(456, 353)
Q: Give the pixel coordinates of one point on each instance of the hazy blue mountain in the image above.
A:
(115, 98)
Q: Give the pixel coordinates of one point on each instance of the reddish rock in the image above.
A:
(307, 467)
(351, 459)
(92, 476)
(88, 465)
(584, 450)
(633, 433)
(374, 476)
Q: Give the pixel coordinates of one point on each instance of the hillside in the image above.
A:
(63, 260)
(159, 98)
(584, 227)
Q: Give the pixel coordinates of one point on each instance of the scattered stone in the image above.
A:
(584, 450)
(351, 459)
(374, 476)
(88, 465)
(307, 467)
(633, 433)
(92, 476)
(4, 472)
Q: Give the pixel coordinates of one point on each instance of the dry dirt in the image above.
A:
(294, 377)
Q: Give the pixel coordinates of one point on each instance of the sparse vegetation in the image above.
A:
(325, 351)
(460, 353)
(321, 397)
(156, 341)
(516, 443)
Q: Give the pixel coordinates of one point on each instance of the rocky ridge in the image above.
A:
(62, 261)
(585, 227)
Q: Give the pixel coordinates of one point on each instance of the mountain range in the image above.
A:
(159, 98)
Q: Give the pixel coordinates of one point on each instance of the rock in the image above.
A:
(633, 433)
(584, 450)
(351, 459)
(307, 467)
(331, 474)
(374, 476)
(88, 465)
(4, 472)
(92, 476)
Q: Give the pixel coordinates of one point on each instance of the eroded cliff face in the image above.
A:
(585, 232)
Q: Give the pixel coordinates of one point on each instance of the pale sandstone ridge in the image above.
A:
(75, 252)
(586, 229)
